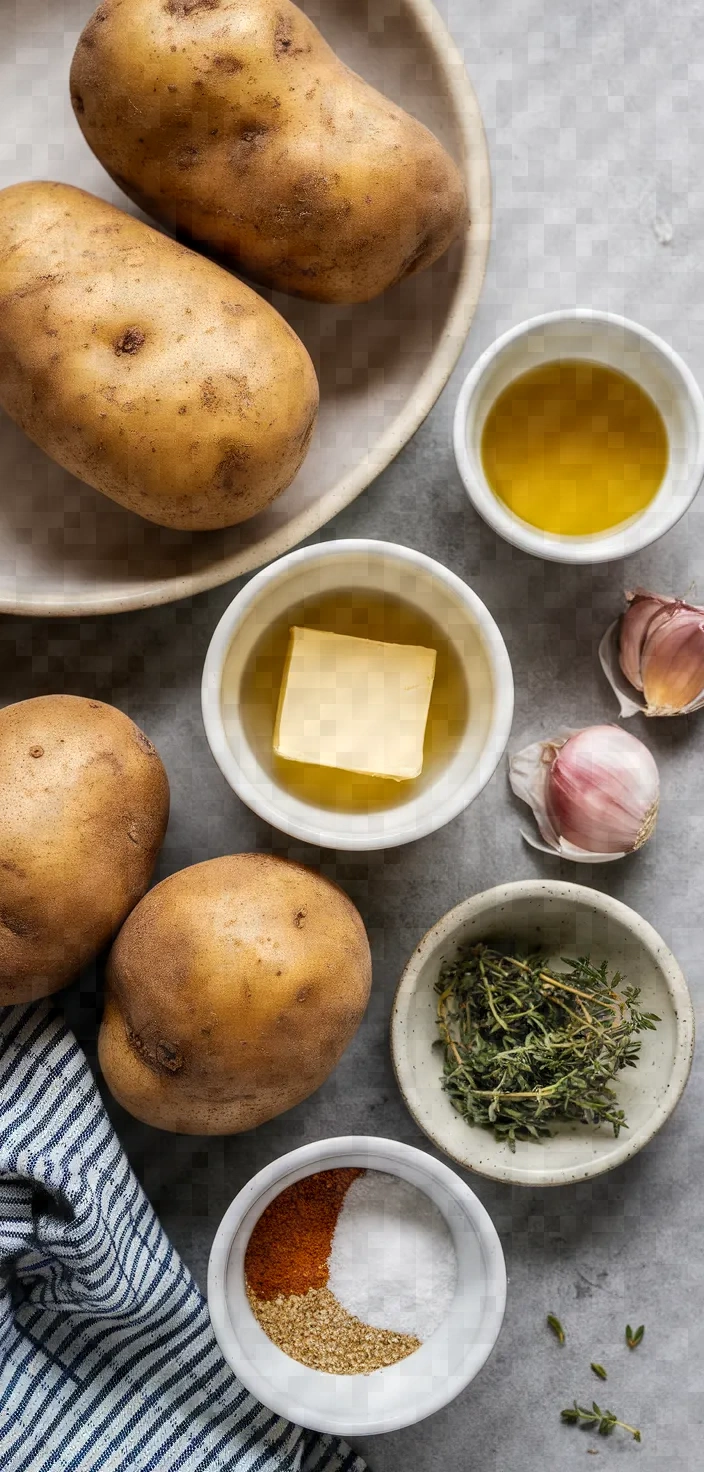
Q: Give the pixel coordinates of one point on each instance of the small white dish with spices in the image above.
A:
(558, 921)
(370, 1348)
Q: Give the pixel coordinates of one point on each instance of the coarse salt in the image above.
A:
(393, 1262)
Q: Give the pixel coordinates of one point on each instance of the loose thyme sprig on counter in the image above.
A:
(526, 1046)
(594, 1419)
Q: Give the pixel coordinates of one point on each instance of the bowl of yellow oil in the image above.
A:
(386, 675)
(580, 436)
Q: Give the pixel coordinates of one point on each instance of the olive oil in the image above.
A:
(367, 615)
(574, 447)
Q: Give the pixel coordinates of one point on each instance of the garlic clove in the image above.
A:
(602, 791)
(594, 793)
(658, 640)
(641, 610)
(672, 662)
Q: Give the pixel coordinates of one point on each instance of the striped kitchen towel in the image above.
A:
(107, 1357)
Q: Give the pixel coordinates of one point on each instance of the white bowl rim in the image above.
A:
(475, 168)
(602, 547)
(627, 1145)
(496, 737)
(319, 1154)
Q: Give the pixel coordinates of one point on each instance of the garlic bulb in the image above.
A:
(594, 792)
(657, 648)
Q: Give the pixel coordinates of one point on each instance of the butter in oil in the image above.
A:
(365, 615)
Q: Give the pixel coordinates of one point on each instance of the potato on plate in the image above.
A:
(84, 803)
(150, 373)
(234, 123)
(232, 991)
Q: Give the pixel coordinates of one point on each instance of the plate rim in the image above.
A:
(476, 171)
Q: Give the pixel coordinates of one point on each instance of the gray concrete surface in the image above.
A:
(593, 112)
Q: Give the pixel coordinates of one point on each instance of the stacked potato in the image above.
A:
(147, 371)
(234, 123)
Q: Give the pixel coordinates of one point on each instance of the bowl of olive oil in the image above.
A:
(580, 436)
(357, 695)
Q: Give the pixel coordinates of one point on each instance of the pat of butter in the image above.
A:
(354, 703)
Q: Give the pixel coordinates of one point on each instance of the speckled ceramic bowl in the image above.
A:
(564, 920)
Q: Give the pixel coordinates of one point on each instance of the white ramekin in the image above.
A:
(380, 567)
(401, 1394)
(598, 337)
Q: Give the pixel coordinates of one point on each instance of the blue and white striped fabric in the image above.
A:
(107, 1357)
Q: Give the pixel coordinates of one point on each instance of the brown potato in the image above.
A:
(232, 991)
(147, 371)
(234, 123)
(84, 803)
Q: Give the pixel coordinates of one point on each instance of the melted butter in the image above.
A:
(574, 447)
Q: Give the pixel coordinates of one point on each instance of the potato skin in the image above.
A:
(84, 803)
(233, 122)
(145, 370)
(232, 991)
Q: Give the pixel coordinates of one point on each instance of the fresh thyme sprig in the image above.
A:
(596, 1420)
(525, 1046)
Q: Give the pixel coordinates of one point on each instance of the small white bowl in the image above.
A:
(401, 1394)
(598, 337)
(379, 567)
(564, 920)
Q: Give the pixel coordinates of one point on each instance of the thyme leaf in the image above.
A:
(634, 1337)
(525, 1046)
(554, 1323)
(599, 1370)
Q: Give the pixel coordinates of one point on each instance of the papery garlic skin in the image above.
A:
(661, 652)
(602, 791)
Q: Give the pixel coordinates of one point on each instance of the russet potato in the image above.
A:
(234, 123)
(147, 371)
(232, 990)
(84, 803)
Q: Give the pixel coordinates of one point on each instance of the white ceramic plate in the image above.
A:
(563, 920)
(65, 549)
